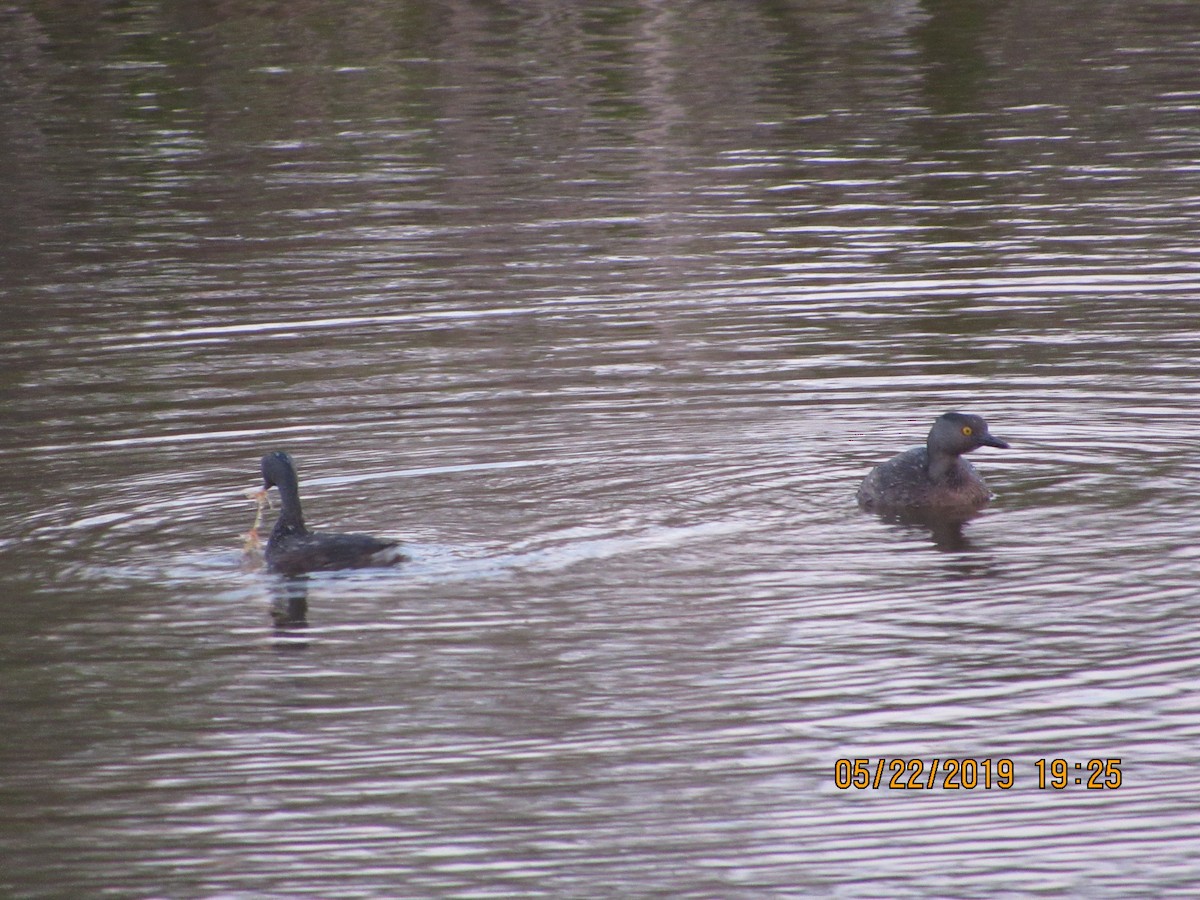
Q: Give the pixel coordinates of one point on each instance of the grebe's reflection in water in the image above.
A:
(289, 605)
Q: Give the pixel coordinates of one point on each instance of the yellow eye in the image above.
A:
(967, 430)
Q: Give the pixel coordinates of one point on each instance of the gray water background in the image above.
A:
(604, 310)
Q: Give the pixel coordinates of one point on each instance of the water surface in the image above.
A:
(605, 312)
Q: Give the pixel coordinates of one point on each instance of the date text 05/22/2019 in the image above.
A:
(969, 773)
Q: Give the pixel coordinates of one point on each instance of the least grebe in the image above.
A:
(292, 549)
(933, 478)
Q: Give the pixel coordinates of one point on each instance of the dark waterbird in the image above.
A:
(293, 550)
(933, 479)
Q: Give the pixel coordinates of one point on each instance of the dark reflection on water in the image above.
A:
(946, 533)
(604, 310)
(289, 604)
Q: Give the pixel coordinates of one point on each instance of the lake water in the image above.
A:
(604, 310)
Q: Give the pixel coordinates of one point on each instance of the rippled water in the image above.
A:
(605, 312)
